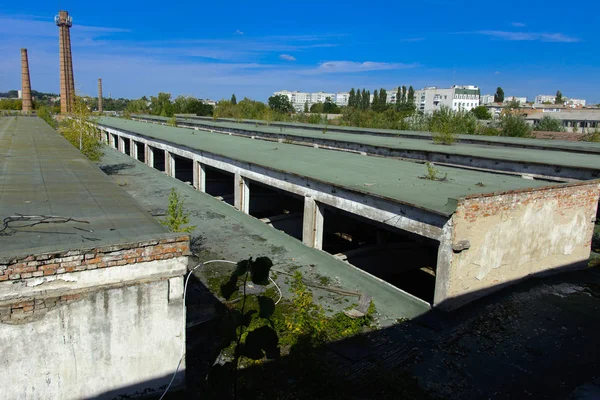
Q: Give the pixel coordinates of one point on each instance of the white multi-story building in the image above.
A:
(456, 98)
(320, 97)
(545, 98)
(575, 102)
(341, 98)
(486, 99)
(522, 100)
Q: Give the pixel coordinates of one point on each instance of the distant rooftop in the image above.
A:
(42, 174)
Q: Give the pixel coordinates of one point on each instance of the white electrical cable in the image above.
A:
(184, 316)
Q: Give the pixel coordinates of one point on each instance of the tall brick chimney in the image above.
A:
(25, 83)
(99, 95)
(67, 82)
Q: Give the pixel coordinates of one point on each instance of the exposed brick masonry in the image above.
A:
(80, 260)
(569, 197)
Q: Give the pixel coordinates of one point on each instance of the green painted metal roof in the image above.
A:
(486, 140)
(515, 154)
(400, 181)
(42, 174)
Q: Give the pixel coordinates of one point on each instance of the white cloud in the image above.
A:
(287, 57)
(239, 33)
(529, 36)
(518, 24)
(351, 66)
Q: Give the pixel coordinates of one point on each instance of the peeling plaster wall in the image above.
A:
(511, 236)
(118, 341)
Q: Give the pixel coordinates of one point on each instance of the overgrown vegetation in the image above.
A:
(591, 136)
(514, 126)
(549, 124)
(79, 129)
(434, 174)
(176, 217)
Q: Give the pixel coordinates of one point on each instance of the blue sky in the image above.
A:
(211, 49)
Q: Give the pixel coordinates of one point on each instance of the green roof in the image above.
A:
(399, 181)
(42, 174)
(561, 145)
(515, 154)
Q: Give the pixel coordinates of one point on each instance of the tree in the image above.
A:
(176, 218)
(161, 105)
(559, 98)
(515, 126)
(281, 103)
(79, 129)
(233, 99)
(352, 98)
(549, 124)
(499, 95)
(317, 108)
(398, 97)
(404, 94)
(329, 107)
(375, 104)
(306, 106)
(481, 112)
(366, 99)
(411, 95)
(382, 103)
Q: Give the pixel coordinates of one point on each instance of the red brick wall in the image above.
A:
(569, 197)
(80, 260)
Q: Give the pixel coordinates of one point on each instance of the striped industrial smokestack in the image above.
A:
(25, 83)
(99, 95)
(67, 83)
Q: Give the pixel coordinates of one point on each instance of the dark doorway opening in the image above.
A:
(403, 259)
(219, 184)
(280, 209)
(159, 159)
(184, 169)
(127, 146)
(140, 151)
(115, 141)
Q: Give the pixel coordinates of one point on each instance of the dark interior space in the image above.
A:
(115, 140)
(159, 159)
(219, 184)
(403, 259)
(184, 169)
(127, 146)
(141, 153)
(280, 209)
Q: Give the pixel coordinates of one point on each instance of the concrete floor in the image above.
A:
(536, 339)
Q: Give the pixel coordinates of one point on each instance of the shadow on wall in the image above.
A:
(513, 343)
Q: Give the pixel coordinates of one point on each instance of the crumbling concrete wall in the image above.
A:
(500, 239)
(93, 330)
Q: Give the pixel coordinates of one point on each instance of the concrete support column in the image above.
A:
(443, 267)
(312, 223)
(169, 164)
(200, 177)
(241, 194)
(133, 149)
(149, 156)
(121, 145)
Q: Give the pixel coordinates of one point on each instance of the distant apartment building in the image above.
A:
(545, 98)
(299, 99)
(456, 98)
(486, 99)
(521, 100)
(341, 98)
(575, 102)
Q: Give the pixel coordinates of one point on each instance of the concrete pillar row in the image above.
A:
(200, 177)
(241, 194)
(312, 223)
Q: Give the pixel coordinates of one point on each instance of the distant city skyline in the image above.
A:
(254, 51)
